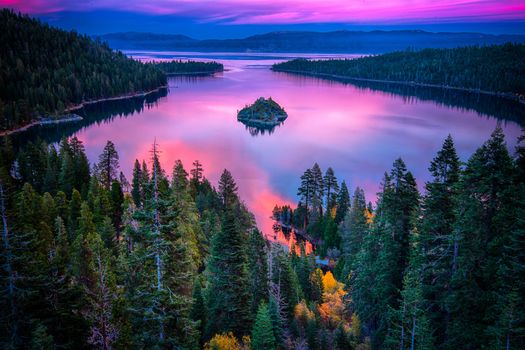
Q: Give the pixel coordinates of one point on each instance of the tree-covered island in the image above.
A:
(263, 112)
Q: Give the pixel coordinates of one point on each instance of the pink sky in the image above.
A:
(296, 11)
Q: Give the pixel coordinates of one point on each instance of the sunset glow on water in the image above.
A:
(356, 131)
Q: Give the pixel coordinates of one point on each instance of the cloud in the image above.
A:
(295, 11)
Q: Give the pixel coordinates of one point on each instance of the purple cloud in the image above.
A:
(296, 11)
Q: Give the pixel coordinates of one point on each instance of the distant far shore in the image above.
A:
(192, 73)
(507, 95)
(69, 117)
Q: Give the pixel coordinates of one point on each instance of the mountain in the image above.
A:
(137, 40)
(343, 41)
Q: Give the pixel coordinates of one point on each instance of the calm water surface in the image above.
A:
(359, 132)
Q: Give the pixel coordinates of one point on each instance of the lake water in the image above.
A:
(357, 130)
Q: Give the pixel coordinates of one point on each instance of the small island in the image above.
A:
(263, 112)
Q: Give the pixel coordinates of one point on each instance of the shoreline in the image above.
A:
(193, 73)
(506, 95)
(115, 98)
(74, 117)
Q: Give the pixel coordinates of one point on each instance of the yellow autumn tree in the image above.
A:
(332, 310)
(227, 341)
(302, 314)
(330, 284)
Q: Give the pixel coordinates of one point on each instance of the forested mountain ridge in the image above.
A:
(45, 70)
(497, 68)
(342, 41)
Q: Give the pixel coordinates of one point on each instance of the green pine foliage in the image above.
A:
(228, 291)
(173, 261)
(262, 333)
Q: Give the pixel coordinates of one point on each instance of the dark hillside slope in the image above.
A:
(44, 70)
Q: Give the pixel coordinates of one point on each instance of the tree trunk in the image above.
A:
(402, 340)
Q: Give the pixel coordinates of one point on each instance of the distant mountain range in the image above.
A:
(305, 42)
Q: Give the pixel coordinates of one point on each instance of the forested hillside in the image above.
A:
(443, 269)
(177, 67)
(44, 70)
(497, 68)
(91, 260)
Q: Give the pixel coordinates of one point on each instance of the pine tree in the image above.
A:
(485, 215)
(196, 172)
(316, 286)
(136, 184)
(331, 237)
(305, 193)
(117, 199)
(343, 203)
(332, 189)
(438, 246)
(257, 270)
(52, 171)
(64, 296)
(378, 273)
(353, 230)
(228, 291)
(410, 327)
(227, 189)
(318, 189)
(100, 295)
(262, 332)
(286, 281)
(108, 165)
(164, 258)
(198, 308)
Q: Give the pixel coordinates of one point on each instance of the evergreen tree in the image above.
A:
(196, 172)
(108, 165)
(117, 199)
(410, 327)
(305, 193)
(485, 215)
(343, 203)
(331, 238)
(318, 189)
(228, 291)
(438, 246)
(198, 308)
(166, 259)
(257, 270)
(316, 286)
(262, 332)
(378, 274)
(136, 184)
(353, 230)
(52, 172)
(100, 295)
(227, 189)
(332, 189)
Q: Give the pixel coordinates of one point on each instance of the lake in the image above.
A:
(357, 130)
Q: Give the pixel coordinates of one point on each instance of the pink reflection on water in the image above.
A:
(357, 132)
